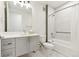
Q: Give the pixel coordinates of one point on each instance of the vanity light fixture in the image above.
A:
(23, 3)
(15, 2)
(28, 5)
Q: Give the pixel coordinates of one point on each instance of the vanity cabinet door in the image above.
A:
(34, 43)
(8, 52)
(0, 48)
(22, 46)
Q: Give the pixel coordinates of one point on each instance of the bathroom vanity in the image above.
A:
(17, 44)
(15, 41)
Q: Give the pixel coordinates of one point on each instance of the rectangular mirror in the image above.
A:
(18, 16)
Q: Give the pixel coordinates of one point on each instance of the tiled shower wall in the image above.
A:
(67, 44)
(51, 22)
(63, 20)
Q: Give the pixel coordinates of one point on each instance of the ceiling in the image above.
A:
(54, 4)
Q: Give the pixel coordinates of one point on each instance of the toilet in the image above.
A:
(49, 45)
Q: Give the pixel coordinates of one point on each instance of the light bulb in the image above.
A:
(15, 2)
(28, 5)
(21, 5)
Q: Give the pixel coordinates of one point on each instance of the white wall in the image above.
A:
(38, 19)
(75, 28)
(2, 17)
(51, 23)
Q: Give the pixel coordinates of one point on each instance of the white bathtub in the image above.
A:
(65, 48)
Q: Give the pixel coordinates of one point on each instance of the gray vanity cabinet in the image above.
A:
(34, 43)
(8, 47)
(18, 46)
(14, 47)
(22, 46)
(0, 47)
(26, 45)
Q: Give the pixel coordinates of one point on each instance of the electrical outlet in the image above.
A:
(52, 35)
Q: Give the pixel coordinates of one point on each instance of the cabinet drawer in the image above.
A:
(8, 52)
(7, 43)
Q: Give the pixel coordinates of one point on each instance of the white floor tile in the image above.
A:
(45, 53)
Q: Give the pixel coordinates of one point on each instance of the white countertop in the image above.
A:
(6, 35)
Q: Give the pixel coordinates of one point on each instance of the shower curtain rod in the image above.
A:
(63, 9)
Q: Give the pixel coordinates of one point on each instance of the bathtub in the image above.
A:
(64, 48)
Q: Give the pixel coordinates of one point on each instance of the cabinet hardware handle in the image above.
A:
(9, 43)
